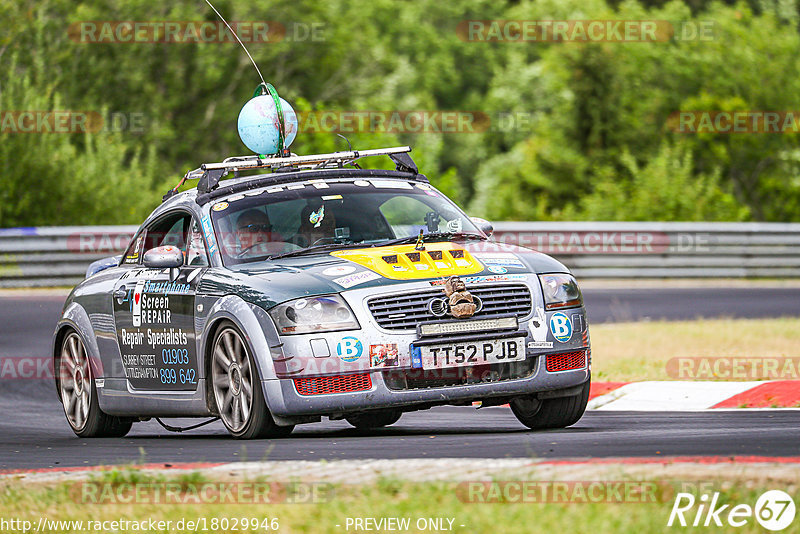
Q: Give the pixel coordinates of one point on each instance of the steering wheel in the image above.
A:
(244, 251)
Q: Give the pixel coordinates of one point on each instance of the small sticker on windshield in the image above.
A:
(454, 225)
(332, 197)
(316, 217)
(391, 184)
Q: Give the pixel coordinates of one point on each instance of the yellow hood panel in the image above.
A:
(402, 262)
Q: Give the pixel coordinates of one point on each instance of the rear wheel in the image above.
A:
(237, 388)
(376, 419)
(79, 395)
(558, 412)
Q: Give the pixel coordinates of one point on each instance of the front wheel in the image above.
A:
(79, 395)
(237, 389)
(365, 421)
(559, 412)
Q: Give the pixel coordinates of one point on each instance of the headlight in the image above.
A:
(560, 291)
(314, 314)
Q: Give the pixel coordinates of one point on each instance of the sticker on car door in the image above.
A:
(155, 330)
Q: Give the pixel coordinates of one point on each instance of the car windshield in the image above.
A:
(323, 215)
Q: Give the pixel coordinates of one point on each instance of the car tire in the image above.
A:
(236, 388)
(559, 412)
(78, 394)
(376, 419)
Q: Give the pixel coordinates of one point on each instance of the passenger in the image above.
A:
(317, 226)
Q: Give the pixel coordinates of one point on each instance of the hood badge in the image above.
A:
(458, 302)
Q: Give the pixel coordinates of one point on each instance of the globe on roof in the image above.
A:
(258, 124)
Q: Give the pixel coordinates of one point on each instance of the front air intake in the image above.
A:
(566, 361)
(326, 385)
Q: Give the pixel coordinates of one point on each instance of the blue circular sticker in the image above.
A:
(349, 349)
(561, 327)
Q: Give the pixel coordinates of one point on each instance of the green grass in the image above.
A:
(385, 498)
(624, 352)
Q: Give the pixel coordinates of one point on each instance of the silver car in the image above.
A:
(318, 290)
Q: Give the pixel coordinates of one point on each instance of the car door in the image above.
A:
(154, 309)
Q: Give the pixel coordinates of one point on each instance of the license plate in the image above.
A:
(472, 353)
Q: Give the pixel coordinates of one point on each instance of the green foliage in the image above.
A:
(603, 146)
(62, 179)
(577, 131)
(664, 189)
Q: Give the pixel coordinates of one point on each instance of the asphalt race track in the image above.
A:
(36, 436)
(34, 433)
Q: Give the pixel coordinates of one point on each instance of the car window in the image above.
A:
(408, 215)
(172, 229)
(196, 249)
(283, 215)
(282, 219)
(135, 250)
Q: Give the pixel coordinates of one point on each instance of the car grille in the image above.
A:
(325, 385)
(458, 376)
(566, 361)
(405, 311)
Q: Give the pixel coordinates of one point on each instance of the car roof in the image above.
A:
(193, 200)
(285, 170)
(246, 183)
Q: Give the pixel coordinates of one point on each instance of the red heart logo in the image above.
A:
(136, 297)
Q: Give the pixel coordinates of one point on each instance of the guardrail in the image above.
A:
(664, 250)
(58, 256)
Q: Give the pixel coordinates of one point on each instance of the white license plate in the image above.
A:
(473, 353)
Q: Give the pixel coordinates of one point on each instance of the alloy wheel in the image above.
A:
(75, 381)
(232, 380)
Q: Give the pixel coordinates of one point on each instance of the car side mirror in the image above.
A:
(167, 257)
(483, 225)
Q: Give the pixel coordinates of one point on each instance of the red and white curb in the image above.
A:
(690, 395)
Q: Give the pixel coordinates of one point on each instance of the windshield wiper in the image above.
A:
(318, 248)
(435, 236)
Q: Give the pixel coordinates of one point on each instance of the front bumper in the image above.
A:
(300, 357)
(285, 401)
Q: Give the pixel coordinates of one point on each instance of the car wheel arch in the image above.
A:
(244, 316)
(76, 319)
(61, 332)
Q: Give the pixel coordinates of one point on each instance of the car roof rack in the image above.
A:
(210, 174)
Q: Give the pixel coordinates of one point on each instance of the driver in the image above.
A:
(254, 232)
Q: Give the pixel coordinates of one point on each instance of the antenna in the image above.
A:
(349, 146)
(237, 38)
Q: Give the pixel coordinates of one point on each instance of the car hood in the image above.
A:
(271, 282)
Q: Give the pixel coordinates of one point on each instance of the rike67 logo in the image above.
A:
(774, 510)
